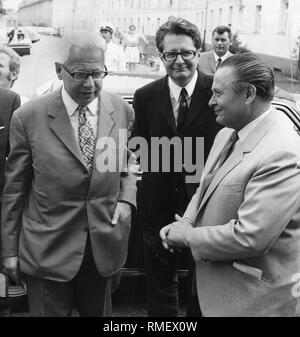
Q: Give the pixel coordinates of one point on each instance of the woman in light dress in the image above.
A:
(132, 54)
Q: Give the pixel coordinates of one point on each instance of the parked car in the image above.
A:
(21, 43)
(34, 36)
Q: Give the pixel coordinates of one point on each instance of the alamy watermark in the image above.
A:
(166, 155)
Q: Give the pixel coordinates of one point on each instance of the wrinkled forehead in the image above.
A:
(84, 54)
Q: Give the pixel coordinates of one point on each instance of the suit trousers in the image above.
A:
(88, 292)
(5, 302)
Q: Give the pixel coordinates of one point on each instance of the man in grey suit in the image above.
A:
(210, 61)
(67, 201)
(243, 223)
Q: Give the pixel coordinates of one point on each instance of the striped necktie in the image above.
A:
(86, 137)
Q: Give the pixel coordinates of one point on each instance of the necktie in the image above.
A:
(86, 137)
(218, 63)
(183, 109)
(223, 157)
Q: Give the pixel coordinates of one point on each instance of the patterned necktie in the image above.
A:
(223, 157)
(218, 63)
(183, 109)
(86, 137)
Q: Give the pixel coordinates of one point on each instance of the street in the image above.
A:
(38, 67)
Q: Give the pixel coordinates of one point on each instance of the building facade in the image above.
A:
(36, 13)
(268, 27)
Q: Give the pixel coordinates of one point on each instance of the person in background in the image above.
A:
(66, 215)
(211, 60)
(114, 54)
(243, 223)
(9, 102)
(173, 106)
(132, 54)
(9, 69)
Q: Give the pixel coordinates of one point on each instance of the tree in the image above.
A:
(236, 45)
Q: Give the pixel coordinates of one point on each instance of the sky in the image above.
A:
(11, 3)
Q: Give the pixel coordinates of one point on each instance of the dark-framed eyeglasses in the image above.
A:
(186, 55)
(80, 76)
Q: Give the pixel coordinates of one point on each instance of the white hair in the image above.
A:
(79, 39)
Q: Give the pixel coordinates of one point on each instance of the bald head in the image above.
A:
(76, 43)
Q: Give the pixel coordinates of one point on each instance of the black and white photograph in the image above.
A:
(149, 161)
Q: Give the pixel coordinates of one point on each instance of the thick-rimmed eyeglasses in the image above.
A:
(83, 75)
(186, 55)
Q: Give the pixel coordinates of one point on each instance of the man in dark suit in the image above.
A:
(67, 200)
(174, 106)
(9, 101)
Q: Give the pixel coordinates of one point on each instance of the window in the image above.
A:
(241, 17)
(257, 19)
(230, 16)
(158, 23)
(283, 18)
(220, 16)
(212, 19)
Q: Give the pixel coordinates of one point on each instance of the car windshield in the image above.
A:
(129, 27)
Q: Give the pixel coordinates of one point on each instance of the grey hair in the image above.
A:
(79, 39)
(249, 68)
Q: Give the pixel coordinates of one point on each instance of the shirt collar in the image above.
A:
(223, 58)
(71, 105)
(246, 130)
(175, 89)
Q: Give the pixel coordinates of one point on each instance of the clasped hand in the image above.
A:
(175, 235)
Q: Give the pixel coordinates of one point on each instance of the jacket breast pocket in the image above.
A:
(230, 188)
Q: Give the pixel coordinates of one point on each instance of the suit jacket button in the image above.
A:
(86, 229)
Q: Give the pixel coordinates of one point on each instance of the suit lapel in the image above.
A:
(61, 126)
(212, 62)
(106, 116)
(230, 164)
(163, 100)
(198, 102)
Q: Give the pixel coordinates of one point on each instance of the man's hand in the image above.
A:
(176, 234)
(122, 211)
(11, 267)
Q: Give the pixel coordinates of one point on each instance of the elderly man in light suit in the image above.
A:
(66, 216)
(243, 223)
(211, 60)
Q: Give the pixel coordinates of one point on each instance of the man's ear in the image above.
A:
(250, 93)
(58, 68)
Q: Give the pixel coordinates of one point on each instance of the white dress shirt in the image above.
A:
(223, 58)
(175, 93)
(92, 113)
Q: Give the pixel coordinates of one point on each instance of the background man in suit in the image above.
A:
(66, 216)
(243, 223)
(211, 60)
(9, 101)
(176, 105)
